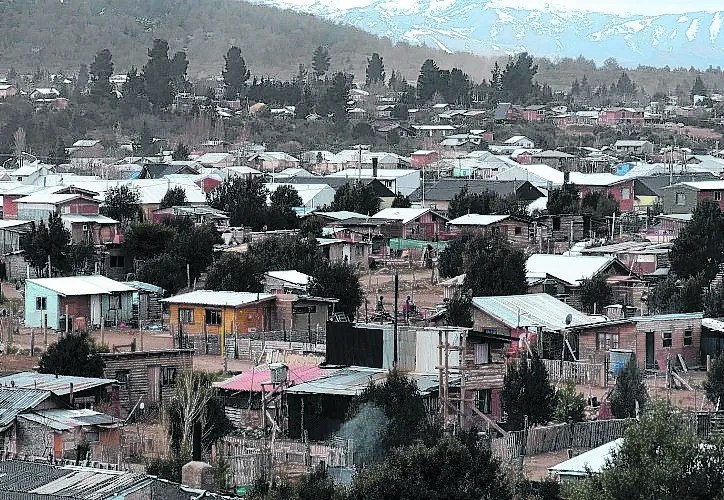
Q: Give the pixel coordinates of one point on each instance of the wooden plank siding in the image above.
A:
(244, 319)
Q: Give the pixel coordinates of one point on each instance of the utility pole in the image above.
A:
(394, 331)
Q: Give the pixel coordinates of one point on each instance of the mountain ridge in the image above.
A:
(678, 40)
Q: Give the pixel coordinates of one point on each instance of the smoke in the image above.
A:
(366, 430)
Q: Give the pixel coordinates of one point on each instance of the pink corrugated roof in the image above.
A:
(251, 381)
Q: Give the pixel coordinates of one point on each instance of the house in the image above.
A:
(146, 302)
(39, 206)
(520, 142)
(505, 111)
(397, 180)
(582, 466)
(96, 299)
(414, 223)
(318, 408)
(273, 161)
(7, 90)
(35, 423)
(147, 377)
(31, 173)
(242, 394)
(74, 392)
(639, 148)
(199, 214)
(670, 225)
(621, 190)
(683, 197)
(437, 132)
(514, 229)
(534, 113)
(556, 159)
(451, 287)
(92, 228)
(86, 148)
(354, 252)
(621, 116)
(203, 312)
(291, 281)
(562, 275)
(42, 94)
(536, 318)
(652, 339)
(422, 158)
(642, 257)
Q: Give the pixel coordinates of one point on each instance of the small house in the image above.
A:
(514, 229)
(639, 148)
(96, 299)
(414, 223)
(210, 312)
(354, 253)
(146, 302)
(683, 197)
(147, 377)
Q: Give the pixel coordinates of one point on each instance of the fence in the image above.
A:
(581, 373)
(248, 347)
(252, 458)
(558, 437)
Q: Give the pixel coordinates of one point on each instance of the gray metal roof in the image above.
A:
(532, 310)
(353, 380)
(57, 384)
(15, 400)
(63, 419)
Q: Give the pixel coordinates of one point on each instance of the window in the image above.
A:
(666, 336)
(168, 375)
(118, 261)
(606, 341)
(625, 193)
(92, 436)
(688, 337)
(482, 354)
(186, 316)
(122, 377)
(483, 401)
(717, 195)
(518, 230)
(41, 303)
(213, 317)
(556, 223)
(681, 198)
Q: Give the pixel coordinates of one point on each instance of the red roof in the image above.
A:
(250, 381)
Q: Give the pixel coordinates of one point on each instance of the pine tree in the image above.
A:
(157, 75)
(235, 73)
(628, 391)
(178, 65)
(60, 155)
(101, 70)
(81, 82)
(375, 73)
(698, 88)
(320, 61)
(133, 92)
(527, 391)
(181, 153)
(429, 80)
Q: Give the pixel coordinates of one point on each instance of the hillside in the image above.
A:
(59, 36)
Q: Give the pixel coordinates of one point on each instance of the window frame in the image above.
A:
(680, 199)
(667, 338)
(484, 401)
(688, 340)
(480, 349)
(97, 439)
(717, 195)
(41, 303)
(168, 376)
(213, 317)
(123, 376)
(117, 261)
(184, 313)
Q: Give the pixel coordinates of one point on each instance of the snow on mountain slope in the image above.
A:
(691, 39)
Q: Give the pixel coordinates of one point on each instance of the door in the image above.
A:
(95, 310)
(650, 361)
(154, 383)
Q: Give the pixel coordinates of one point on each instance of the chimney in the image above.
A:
(374, 167)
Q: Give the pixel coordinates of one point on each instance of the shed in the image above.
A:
(96, 298)
(585, 464)
(146, 301)
(75, 391)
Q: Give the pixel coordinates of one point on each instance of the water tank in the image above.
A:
(279, 373)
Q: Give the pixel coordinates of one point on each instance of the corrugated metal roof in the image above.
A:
(591, 461)
(63, 419)
(144, 287)
(58, 385)
(353, 380)
(477, 220)
(401, 214)
(291, 276)
(532, 310)
(81, 285)
(569, 268)
(251, 381)
(14, 400)
(92, 218)
(223, 298)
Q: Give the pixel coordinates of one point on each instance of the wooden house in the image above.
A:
(210, 312)
(147, 377)
(514, 229)
(146, 302)
(414, 223)
(653, 339)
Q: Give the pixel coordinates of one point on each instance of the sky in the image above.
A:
(645, 7)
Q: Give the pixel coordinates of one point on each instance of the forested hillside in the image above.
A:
(60, 35)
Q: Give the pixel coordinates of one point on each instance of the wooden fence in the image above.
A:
(558, 437)
(593, 374)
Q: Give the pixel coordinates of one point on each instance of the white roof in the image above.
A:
(291, 276)
(477, 220)
(214, 298)
(241, 170)
(81, 285)
(91, 218)
(307, 192)
(48, 198)
(341, 215)
(151, 191)
(535, 173)
(516, 138)
(703, 185)
(592, 461)
(433, 127)
(402, 214)
(9, 223)
(85, 143)
(382, 173)
(595, 179)
(627, 143)
(681, 217)
(214, 158)
(569, 268)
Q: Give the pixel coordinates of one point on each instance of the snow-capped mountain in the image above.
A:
(478, 26)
